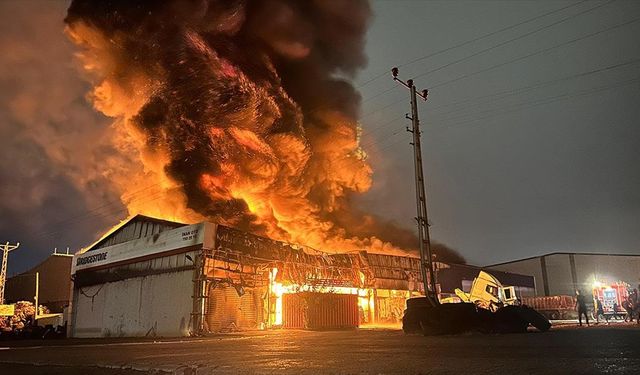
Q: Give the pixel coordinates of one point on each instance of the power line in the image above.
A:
(514, 39)
(374, 141)
(382, 108)
(378, 94)
(383, 126)
(504, 94)
(539, 84)
(519, 106)
(96, 210)
(95, 214)
(499, 65)
(536, 53)
(462, 44)
(517, 91)
(511, 61)
(439, 85)
(547, 100)
(494, 46)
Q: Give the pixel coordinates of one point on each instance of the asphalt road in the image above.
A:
(563, 350)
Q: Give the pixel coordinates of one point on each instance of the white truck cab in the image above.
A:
(487, 292)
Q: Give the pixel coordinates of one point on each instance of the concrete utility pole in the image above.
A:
(428, 278)
(5, 259)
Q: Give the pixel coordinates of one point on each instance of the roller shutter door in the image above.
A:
(228, 311)
(320, 310)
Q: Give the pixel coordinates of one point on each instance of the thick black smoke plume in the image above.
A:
(242, 111)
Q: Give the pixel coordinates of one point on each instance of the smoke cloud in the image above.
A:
(57, 159)
(238, 112)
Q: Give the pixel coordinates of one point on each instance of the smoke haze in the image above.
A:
(238, 114)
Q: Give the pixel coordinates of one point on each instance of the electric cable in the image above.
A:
(536, 53)
(462, 44)
(513, 39)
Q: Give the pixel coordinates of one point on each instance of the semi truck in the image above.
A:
(487, 292)
(489, 307)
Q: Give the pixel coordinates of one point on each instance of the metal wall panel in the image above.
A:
(55, 283)
(320, 310)
(525, 267)
(139, 227)
(155, 305)
(559, 277)
(607, 269)
(588, 267)
(226, 310)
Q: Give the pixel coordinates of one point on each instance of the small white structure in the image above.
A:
(138, 280)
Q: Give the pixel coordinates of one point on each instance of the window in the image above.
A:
(492, 290)
(507, 293)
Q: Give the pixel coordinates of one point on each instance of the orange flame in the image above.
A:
(222, 134)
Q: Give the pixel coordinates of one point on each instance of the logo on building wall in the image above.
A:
(91, 259)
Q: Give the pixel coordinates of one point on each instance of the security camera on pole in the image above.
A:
(426, 262)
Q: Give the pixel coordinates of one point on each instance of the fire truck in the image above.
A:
(610, 295)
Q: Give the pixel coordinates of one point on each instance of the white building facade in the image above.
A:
(138, 280)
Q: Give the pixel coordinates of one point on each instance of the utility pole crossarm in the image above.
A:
(426, 260)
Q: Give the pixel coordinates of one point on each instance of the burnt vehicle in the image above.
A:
(488, 308)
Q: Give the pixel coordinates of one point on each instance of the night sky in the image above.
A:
(530, 147)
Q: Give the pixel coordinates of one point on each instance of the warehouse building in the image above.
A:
(564, 273)
(151, 277)
(53, 278)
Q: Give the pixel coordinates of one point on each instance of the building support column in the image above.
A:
(545, 278)
(199, 296)
(574, 275)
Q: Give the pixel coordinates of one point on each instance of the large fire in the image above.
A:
(376, 307)
(366, 302)
(237, 113)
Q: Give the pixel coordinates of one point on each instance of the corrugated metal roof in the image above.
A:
(134, 227)
(562, 253)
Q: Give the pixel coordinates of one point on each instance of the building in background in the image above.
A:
(564, 273)
(452, 276)
(54, 283)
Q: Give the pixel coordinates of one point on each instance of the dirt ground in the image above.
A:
(566, 349)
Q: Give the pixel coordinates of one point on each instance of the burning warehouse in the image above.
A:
(224, 112)
(150, 277)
